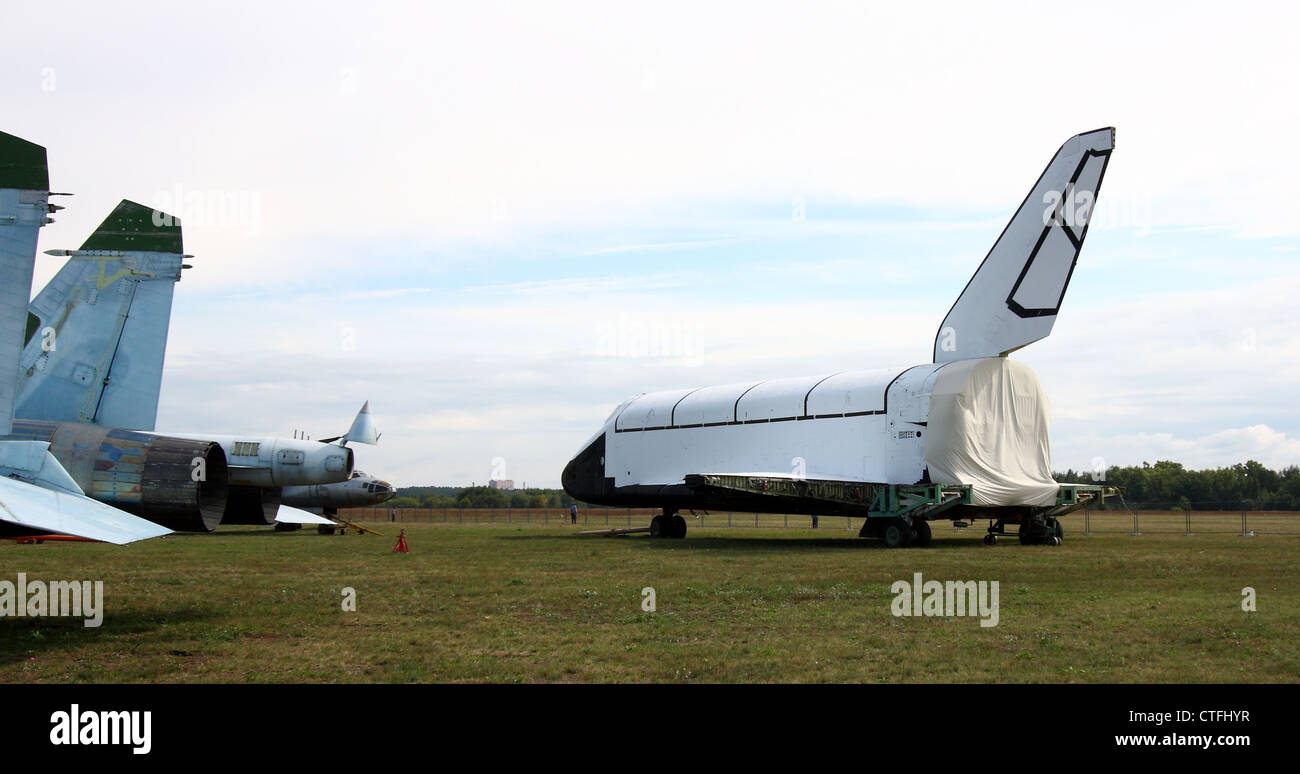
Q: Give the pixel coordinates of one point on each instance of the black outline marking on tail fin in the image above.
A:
(1059, 220)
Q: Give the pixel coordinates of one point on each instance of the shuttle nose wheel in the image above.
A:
(668, 525)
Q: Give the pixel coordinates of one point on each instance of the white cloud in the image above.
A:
(442, 122)
(1219, 449)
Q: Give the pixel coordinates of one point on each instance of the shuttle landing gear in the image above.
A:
(668, 525)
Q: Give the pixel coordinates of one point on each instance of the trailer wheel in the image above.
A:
(990, 539)
(897, 534)
(923, 534)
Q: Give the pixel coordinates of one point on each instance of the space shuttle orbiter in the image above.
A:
(964, 436)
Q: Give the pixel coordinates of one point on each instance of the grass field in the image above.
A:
(511, 602)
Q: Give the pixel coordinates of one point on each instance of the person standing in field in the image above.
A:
(573, 513)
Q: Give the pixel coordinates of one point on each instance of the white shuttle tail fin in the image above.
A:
(103, 322)
(1014, 296)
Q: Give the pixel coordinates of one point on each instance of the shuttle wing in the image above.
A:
(1014, 296)
(774, 492)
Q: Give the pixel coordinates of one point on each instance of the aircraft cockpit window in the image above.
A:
(246, 448)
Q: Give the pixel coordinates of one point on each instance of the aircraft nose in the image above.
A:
(569, 479)
(584, 477)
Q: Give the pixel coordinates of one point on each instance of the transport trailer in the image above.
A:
(896, 514)
(1042, 526)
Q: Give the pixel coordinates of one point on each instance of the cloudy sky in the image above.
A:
(497, 221)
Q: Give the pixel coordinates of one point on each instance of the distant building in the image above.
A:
(502, 483)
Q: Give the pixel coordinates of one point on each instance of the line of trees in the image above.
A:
(478, 497)
(1165, 484)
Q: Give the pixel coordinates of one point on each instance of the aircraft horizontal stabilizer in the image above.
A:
(290, 515)
(47, 510)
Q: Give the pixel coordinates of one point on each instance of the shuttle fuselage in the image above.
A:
(973, 419)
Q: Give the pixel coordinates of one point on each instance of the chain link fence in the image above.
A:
(1136, 520)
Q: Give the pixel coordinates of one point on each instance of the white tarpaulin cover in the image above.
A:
(988, 427)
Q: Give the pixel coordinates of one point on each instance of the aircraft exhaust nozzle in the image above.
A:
(253, 505)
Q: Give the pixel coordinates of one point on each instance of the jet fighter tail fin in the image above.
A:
(103, 321)
(24, 206)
